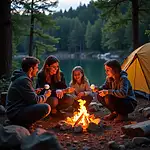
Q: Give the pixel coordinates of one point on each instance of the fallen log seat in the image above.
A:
(139, 129)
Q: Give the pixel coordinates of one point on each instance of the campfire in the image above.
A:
(82, 117)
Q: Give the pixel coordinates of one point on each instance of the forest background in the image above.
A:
(30, 27)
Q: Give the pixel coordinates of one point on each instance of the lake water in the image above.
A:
(94, 69)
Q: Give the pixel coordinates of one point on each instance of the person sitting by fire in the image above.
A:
(23, 106)
(116, 93)
(82, 87)
(50, 74)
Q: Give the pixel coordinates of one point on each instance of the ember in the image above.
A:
(82, 117)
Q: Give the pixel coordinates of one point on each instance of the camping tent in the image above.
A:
(137, 65)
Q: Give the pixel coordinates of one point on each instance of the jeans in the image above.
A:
(60, 104)
(30, 114)
(122, 106)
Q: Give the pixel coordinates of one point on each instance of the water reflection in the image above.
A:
(94, 69)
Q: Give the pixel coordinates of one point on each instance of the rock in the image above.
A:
(129, 145)
(93, 127)
(2, 110)
(78, 129)
(41, 139)
(123, 136)
(68, 144)
(63, 126)
(143, 145)
(12, 136)
(94, 106)
(60, 123)
(140, 140)
(72, 148)
(122, 147)
(139, 129)
(113, 145)
(75, 142)
(146, 112)
(86, 148)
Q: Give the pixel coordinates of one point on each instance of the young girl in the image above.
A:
(81, 85)
(116, 94)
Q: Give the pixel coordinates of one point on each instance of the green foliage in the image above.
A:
(4, 84)
(118, 16)
(106, 27)
(19, 29)
(76, 37)
(23, 11)
(147, 32)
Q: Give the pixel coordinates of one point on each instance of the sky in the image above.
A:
(66, 4)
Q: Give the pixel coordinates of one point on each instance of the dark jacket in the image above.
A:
(21, 93)
(121, 88)
(41, 81)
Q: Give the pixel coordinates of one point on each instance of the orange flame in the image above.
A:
(82, 117)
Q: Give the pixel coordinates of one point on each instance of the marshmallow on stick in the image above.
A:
(92, 86)
(46, 86)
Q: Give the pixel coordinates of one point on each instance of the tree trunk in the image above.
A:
(5, 39)
(31, 31)
(135, 24)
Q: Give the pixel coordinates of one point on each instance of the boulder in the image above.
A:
(11, 136)
(94, 106)
(141, 140)
(41, 139)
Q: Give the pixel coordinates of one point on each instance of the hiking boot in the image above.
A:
(110, 116)
(121, 118)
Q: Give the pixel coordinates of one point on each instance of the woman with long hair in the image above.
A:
(116, 93)
(51, 74)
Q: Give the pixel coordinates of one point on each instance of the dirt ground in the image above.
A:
(96, 140)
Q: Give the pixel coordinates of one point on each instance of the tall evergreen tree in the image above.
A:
(37, 11)
(5, 39)
(112, 9)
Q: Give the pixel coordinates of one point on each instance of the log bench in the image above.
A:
(139, 129)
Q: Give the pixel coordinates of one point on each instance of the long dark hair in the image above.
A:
(114, 64)
(83, 79)
(49, 61)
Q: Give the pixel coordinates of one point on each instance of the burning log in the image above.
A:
(86, 120)
(79, 119)
(82, 118)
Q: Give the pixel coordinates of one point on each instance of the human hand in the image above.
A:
(103, 93)
(38, 90)
(47, 93)
(94, 88)
(70, 90)
(59, 93)
(81, 94)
